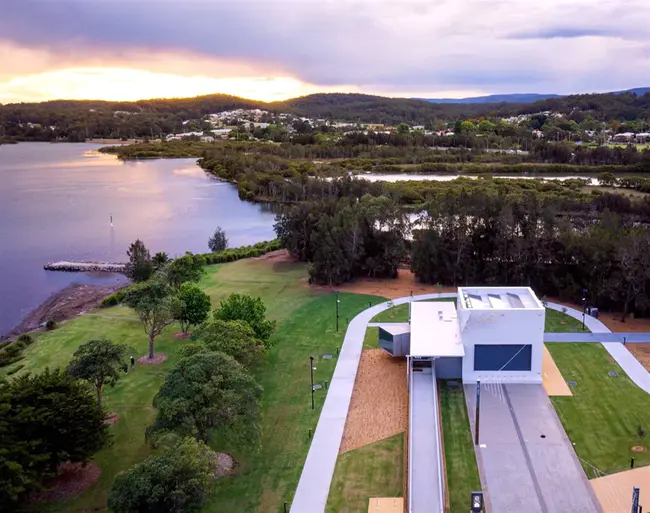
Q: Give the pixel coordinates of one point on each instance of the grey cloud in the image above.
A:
(407, 45)
(566, 33)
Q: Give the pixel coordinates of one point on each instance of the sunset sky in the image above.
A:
(276, 49)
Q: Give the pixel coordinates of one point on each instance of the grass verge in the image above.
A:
(376, 470)
(460, 460)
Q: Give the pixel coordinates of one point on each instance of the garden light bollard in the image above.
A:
(311, 374)
(132, 362)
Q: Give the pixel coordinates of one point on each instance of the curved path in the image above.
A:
(617, 350)
(316, 478)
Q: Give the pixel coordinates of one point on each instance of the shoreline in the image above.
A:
(63, 305)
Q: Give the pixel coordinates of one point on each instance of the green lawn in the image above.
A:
(306, 327)
(400, 313)
(559, 322)
(376, 470)
(603, 415)
(460, 460)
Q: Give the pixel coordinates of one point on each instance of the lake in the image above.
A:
(441, 177)
(56, 201)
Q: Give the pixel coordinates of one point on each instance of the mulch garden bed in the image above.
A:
(73, 479)
(157, 359)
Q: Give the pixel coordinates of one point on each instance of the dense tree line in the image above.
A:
(79, 120)
(488, 239)
(347, 238)
(483, 235)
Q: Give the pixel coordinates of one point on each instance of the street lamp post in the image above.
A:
(584, 307)
(337, 311)
(311, 374)
(477, 415)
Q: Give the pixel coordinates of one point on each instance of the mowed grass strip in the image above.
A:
(603, 415)
(306, 326)
(460, 460)
(376, 470)
(269, 477)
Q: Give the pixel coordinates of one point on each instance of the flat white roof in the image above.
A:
(395, 328)
(434, 329)
(498, 298)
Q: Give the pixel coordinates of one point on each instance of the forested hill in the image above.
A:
(378, 109)
(77, 120)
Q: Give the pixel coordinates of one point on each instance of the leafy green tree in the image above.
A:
(218, 242)
(99, 362)
(154, 306)
(188, 268)
(243, 307)
(234, 338)
(191, 349)
(206, 391)
(176, 482)
(486, 127)
(192, 307)
(139, 267)
(45, 419)
(159, 260)
(403, 128)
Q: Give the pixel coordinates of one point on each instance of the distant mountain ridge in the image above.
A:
(520, 97)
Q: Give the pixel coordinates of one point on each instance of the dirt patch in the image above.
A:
(379, 404)
(66, 304)
(277, 255)
(157, 359)
(111, 419)
(73, 478)
(226, 465)
(179, 335)
(402, 286)
(638, 448)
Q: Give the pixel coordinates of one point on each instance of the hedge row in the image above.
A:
(230, 255)
(227, 255)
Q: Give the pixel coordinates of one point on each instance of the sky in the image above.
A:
(277, 49)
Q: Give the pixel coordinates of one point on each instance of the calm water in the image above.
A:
(55, 203)
(387, 177)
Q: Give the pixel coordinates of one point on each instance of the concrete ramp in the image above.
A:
(426, 483)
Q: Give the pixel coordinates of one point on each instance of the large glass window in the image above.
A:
(504, 357)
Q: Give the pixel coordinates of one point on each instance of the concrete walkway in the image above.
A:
(426, 484)
(316, 478)
(617, 350)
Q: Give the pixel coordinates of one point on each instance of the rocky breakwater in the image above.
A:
(85, 267)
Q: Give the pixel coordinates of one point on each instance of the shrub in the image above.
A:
(14, 349)
(114, 299)
(15, 369)
(25, 339)
(50, 325)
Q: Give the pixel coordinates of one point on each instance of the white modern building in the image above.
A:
(490, 333)
(502, 329)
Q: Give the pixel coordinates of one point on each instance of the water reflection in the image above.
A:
(56, 201)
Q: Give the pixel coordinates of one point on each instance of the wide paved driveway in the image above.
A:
(526, 461)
